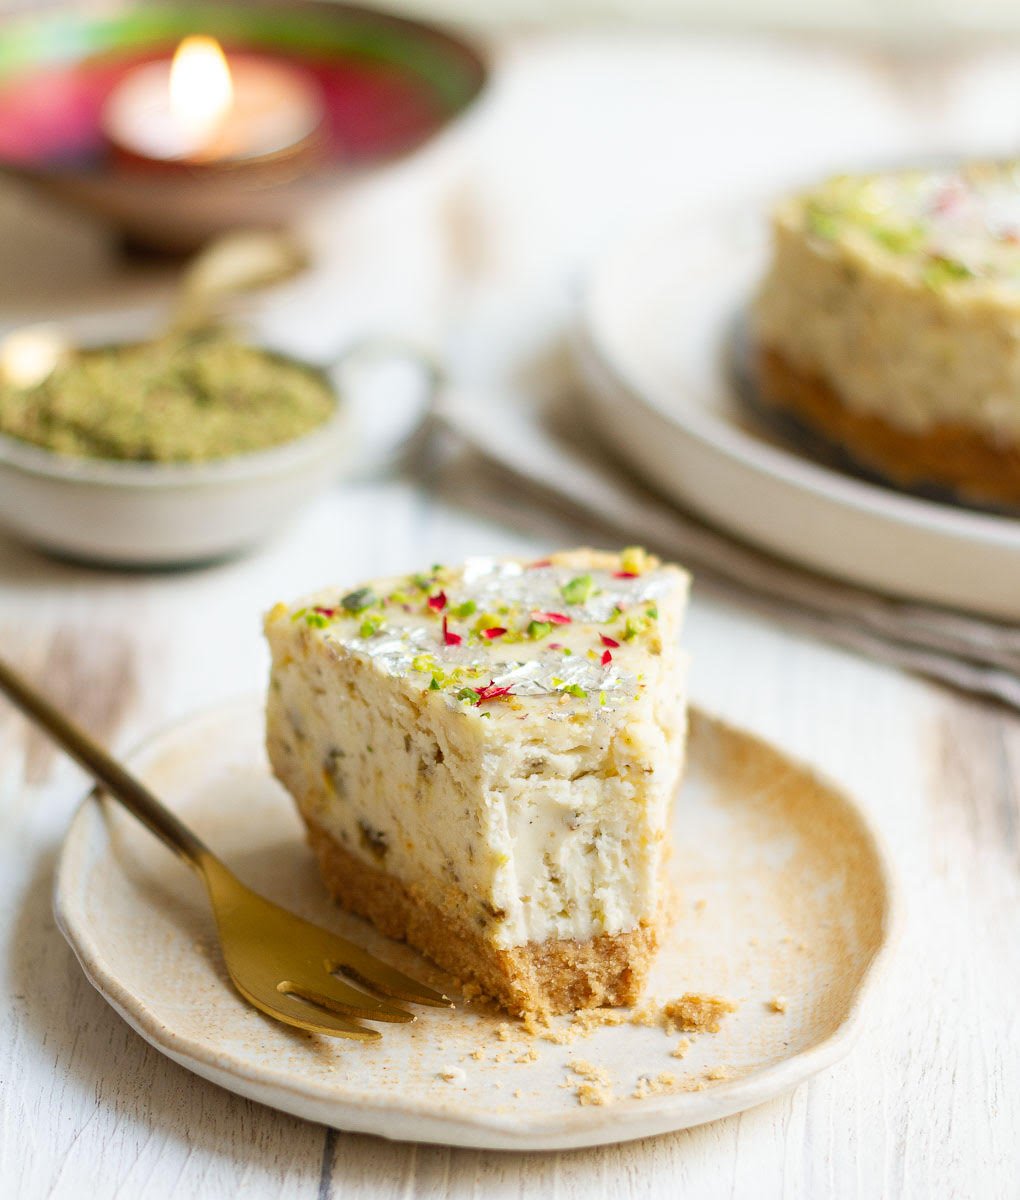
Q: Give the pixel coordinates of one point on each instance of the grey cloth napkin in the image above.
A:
(544, 449)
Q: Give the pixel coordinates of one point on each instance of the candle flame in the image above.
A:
(201, 90)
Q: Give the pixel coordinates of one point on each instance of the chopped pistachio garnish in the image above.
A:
(821, 223)
(578, 589)
(455, 661)
(633, 627)
(941, 271)
(901, 240)
(356, 602)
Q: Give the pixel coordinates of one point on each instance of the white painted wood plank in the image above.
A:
(925, 1100)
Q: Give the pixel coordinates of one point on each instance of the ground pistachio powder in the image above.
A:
(178, 398)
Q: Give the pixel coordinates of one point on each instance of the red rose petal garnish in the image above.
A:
(495, 632)
(625, 575)
(491, 692)
(450, 639)
(555, 645)
(612, 643)
(437, 602)
(542, 562)
(552, 618)
(325, 612)
(607, 657)
(948, 198)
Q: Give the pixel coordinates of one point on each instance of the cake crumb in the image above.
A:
(583, 1023)
(699, 905)
(716, 1073)
(587, 1020)
(537, 1025)
(534, 1023)
(597, 1086)
(453, 1074)
(593, 1093)
(647, 1086)
(694, 1012)
(681, 1048)
(503, 1032)
(778, 1004)
(518, 1093)
(647, 1014)
(477, 1054)
(587, 1070)
(527, 1056)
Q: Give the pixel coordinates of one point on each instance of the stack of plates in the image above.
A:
(655, 331)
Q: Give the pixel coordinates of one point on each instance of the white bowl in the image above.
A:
(138, 514)
(160, 514)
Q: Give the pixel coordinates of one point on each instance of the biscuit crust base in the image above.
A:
(541, 977)
(951, 455)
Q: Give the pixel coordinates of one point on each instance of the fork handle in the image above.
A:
(135, 797)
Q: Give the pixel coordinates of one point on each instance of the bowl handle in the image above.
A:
(390, 386)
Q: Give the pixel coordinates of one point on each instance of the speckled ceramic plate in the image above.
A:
(781, 892)
(655, 345)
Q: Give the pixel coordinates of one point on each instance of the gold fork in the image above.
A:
(282, 964)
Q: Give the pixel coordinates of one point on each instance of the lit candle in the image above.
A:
(200, 108)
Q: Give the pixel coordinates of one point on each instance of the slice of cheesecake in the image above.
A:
(485, 758)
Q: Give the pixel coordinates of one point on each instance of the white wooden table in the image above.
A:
(481, 237)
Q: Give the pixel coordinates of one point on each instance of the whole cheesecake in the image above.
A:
(889, 323)
(485, 758)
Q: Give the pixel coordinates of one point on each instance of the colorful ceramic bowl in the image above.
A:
(388, 85)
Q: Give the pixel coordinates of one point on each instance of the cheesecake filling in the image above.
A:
(505, 740)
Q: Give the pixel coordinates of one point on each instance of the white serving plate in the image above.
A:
(654, 323)
(782, 891)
